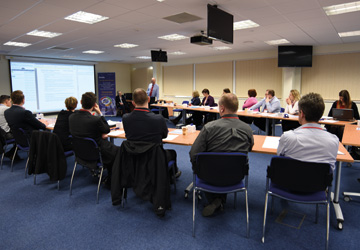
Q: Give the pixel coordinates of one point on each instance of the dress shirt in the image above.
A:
(273, 106)
(310, 143)
(155, 92)
(227, 134)
(292, 109)
(3, 123)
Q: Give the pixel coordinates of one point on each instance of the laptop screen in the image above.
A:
(343, 114)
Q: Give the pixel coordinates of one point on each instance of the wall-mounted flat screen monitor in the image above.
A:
(295, 56)
(158, 56)
(46, 85)
(220, 24)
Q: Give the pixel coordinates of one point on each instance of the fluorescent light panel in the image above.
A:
(126, 45)
(276, 42)
(85, 17)
(177, 53)
(17, 44)
(246, 24)
(93, 52)
(221, 48)
(349, 33)
(42, 33)
(173, 37)
(342, 8)
(143, 57)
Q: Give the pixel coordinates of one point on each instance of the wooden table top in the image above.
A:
(351, 135)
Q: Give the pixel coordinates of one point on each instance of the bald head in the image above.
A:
(140, 97)
(153, 80)
(229, 102)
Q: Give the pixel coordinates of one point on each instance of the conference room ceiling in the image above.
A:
(141, 22)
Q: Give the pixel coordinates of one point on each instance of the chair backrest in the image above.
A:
(86, 149)
(20, 136)
(221, 168)
(185, 102)
(299, 176)
(282, 110)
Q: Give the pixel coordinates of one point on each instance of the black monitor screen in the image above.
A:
(220, 24)
(295, 56)
(158, 56)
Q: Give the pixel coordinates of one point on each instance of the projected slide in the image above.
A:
(47, 85)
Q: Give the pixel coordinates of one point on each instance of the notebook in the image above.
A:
(343, 114)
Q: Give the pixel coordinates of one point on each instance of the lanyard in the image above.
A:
(229, 117)
(144, 110)
(313, 127)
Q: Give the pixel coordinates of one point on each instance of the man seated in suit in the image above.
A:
(227, 134)
(310, 142)
(269, 104)
(121, 104)
(18, 117)
(83, 124)
(144, 125)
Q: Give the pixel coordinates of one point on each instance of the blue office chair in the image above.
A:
(301, 182)
(22, 143)
(157, 110)
(180, 110)
(282, 110)
(221, 172)
(87, 153)
(4, 142)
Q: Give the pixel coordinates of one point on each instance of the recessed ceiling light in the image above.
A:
(17, 44)
(342, 8)
(221, 48)
(126, 45)
(93, 52)
(276, 42)
(173, 37)
(246, 24)
(143, 57)
(85, 17)
(349, 33)
(41, 33)
(177, 53)
(160, 0)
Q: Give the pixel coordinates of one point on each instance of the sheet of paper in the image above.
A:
(51, 125)
(293, 116)
(271, 142)
(176, 131)
(326, 117)
(111, 123)
(340, 153)
(170, 137)
(331, 121)
(116, 132)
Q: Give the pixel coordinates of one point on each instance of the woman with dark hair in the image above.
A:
(251, 101)
(208, 100)
(62, 123)
(344, 102)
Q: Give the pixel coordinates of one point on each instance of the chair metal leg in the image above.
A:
(247, 215)
(2, 158)
(26, 166)
(34, 179)
(235, 200)
(194, 201)
(264, 222)
(98, 188)
(317, 214)
(72, 177)
(123, 197)
(12, 160)
(327, 225)
(58, 185)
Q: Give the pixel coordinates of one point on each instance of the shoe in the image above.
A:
(160, 211)
(178, 174)
(212, 207)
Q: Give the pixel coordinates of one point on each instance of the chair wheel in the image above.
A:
(340, 225)
(347, 198)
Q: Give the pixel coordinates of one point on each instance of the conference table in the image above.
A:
(268, 116)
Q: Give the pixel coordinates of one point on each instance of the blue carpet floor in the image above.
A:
(41, 217)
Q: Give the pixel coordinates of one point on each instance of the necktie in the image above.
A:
(151, 90)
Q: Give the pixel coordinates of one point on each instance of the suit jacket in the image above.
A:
(62, 129)
(144, 125)
(18, 117)
(117, 100)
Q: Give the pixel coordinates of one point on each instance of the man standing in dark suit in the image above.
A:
(83, 124)
(121, 104)
(18, 117)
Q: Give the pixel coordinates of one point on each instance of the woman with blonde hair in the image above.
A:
(291, 108)
(62, 123)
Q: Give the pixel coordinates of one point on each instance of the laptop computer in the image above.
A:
(343, 114)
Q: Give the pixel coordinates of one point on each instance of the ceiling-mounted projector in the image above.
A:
(200, 40)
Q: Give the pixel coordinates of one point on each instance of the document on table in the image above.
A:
(340, 153)
(271, 142)
(111, 123)
(170, 137)
(331, 121)
(176, 131)
(116, 132)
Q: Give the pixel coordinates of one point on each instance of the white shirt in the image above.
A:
(3, 123)
(292, 110)
(310, 143)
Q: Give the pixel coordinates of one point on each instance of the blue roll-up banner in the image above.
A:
(107, 93)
